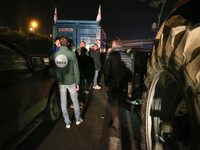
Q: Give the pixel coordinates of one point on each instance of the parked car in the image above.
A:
(26, 90)
(171, 104)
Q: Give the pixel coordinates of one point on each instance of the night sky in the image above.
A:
(124, 19)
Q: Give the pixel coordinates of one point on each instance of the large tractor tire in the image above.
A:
(171, 103)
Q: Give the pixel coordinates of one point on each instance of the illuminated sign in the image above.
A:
(65, 29)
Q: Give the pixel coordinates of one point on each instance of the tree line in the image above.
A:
(33, 43)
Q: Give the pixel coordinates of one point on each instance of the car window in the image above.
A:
(10, 59)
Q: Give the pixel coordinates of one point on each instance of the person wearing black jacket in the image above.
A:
(86, 67)
(117, 71)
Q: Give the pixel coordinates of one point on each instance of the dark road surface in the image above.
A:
(93, 134)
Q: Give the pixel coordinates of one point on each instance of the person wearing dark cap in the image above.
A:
(56, 44)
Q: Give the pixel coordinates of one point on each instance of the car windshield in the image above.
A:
(10, 59)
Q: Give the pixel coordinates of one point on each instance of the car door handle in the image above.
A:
(28, 75)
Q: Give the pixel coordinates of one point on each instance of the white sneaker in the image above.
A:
(68, 126)
(87, 92)
(81, 105)
(79, 121)
(97, 87)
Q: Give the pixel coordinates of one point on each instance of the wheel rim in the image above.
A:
(166, 112)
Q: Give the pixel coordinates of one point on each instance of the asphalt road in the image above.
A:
(93, 134)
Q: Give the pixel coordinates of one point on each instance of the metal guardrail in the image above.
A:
(139, 50)
(138, 42)
(138, 45)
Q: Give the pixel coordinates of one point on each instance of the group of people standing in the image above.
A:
(71, 68)
(89, 63)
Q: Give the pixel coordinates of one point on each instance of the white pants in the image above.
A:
(95, 77)
(74, 97)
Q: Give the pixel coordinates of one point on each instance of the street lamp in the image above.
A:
(33, 25)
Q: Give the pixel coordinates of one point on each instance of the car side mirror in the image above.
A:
(154, 26)
(38, 61)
